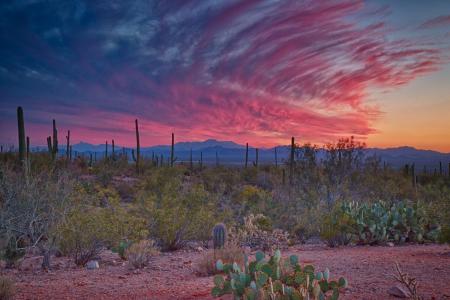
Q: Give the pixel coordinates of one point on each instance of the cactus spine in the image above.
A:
(219, 235)
(21, 129)
(246, 155)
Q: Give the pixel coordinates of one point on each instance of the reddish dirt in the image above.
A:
(171, 275)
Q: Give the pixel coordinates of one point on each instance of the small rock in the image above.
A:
(199, 249)
(92, 265)
(398, 292)
(390, 244)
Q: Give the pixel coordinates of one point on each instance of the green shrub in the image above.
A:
(338, 227)
(177, 211)
(6, 288)
(274, 278)
(88, 229)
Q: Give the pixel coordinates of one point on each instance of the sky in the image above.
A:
(256, 71)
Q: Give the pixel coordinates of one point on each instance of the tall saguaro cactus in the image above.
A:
(106, 149)
(28, 149)
(413, 175)
(172, 151)
(49, 145)
(138, 145)
(276, 158)
(201, 161)
(113, 150)
(291, 161)
(68, 145)
(246, 155)
(21, 129)
(55, 140)
(255, 163)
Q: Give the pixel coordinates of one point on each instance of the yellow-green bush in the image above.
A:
(177, 211)
(87, 230)
(337, 228)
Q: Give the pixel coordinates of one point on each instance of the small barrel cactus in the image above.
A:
(219, 235)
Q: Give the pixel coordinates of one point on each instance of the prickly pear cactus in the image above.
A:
(275, 278)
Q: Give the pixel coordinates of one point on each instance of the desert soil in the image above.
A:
(172, 275)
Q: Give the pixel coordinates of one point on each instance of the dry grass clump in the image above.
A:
(139, 254)
(6, 288)
(206, 266)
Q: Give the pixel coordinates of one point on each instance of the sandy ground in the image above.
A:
(172, 276)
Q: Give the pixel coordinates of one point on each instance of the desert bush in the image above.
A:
(206, 266)
(338, 227)
(253, 235)
(7, 289)
(268, 279)
(139, 254)
(31, 208)
(88, 229)
(178, 212)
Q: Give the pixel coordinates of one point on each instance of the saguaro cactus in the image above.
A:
(217, 159)
(255, 163)
(113, 150)
(440, 168)
(291, 161)
(49, 145)
(276, 158)
(172, 151)
(28, 151)
(201, 160)
(106, 149)
(191, 164)
(55, 140)
(68, 146)
(413, 175)
(246, 155)
(138, 145)
(21, 129)
(219, 235)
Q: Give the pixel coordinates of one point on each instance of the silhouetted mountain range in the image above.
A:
(232, 153)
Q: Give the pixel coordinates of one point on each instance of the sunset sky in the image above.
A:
(246, 71)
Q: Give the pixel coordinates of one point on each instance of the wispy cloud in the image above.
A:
(437, 22)
(257, 71)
